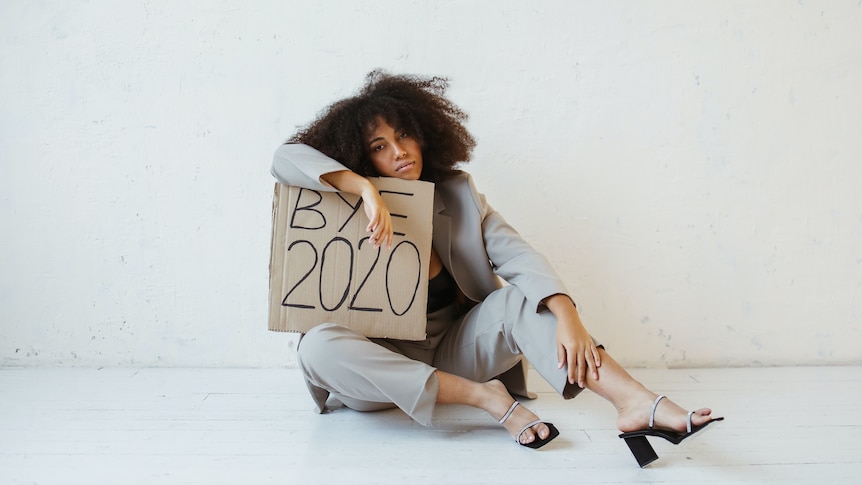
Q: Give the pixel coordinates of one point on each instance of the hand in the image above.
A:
(380, 222)
(575, 347)
(379, 219)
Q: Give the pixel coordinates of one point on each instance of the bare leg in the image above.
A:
(491, 397)
(633, 401)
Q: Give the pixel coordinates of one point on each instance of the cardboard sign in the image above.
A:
(323, 269)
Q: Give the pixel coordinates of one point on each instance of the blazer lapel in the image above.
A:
(441, 237)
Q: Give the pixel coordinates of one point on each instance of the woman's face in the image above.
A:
(394, 153)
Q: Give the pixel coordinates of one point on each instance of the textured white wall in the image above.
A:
(692, 168)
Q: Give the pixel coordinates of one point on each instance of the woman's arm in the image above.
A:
(379, 219)
(517, 262)
(303, 166)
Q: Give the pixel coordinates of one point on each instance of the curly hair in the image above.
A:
(406, 102)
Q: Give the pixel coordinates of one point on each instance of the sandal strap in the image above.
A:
(509, 412)
(688, 422)
(652, 411)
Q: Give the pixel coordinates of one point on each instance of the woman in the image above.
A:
(478, 330)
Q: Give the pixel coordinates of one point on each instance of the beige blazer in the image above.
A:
(473, 241)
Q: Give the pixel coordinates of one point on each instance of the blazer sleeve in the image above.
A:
(302, 166)
(514, 259)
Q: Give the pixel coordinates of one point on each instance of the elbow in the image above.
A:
(281, 164)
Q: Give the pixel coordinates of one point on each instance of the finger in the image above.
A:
(573, 368)
(582, 369)
(389, 234)
(379, 236)
(372, 223)
(589, 358)
(561, 358)
(597, 356)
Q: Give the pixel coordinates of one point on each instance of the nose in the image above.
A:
(400, 152)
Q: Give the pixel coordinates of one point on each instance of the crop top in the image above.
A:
(441, 291)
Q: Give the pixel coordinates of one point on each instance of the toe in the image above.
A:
(543, 430)
(701, 416)
(538, 431)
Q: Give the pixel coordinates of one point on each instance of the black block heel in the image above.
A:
(641, 449)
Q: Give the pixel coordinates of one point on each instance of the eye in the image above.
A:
(403, 134)
(377, 148)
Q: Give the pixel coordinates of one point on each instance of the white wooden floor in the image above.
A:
(255, 426)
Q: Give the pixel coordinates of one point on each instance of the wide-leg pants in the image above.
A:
(373, 374)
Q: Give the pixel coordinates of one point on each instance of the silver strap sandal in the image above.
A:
(538, 442)
(640, 447)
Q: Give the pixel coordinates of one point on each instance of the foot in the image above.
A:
(668, 416)
(497, 403)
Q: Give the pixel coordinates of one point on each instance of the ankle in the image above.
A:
(477, 395)
(493, 398)
(636, 402)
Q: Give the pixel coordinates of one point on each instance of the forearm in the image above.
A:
(303, 166)
(350, 182)
(563, 308)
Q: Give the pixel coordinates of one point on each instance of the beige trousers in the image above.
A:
(374, 374)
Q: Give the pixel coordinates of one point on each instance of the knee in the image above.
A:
(516, 310)
(319, 342)
(513, 302)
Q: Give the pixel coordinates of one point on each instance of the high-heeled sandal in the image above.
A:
(538, 442)
(640, 447)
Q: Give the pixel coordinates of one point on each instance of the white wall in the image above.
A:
(691, 168)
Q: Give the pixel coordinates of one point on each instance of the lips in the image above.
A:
(405, 166)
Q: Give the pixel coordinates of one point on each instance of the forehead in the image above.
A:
(379, 125)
